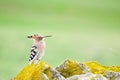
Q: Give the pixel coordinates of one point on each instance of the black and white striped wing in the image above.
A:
(34, 54)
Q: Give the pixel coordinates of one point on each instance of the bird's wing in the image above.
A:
(34, 54)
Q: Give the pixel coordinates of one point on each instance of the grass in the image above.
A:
(82, 30)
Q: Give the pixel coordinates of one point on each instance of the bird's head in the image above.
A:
(36, 37)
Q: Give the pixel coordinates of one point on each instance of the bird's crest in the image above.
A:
(36, 37)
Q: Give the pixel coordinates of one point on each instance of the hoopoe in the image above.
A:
(38, 47)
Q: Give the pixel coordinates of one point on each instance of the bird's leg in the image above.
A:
(36, 61)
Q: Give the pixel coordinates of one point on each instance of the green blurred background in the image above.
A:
(82, 30)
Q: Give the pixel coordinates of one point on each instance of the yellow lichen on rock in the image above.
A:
(32, 71)
(48, 73)
(114, 68)
(95, 67)
(69, 70)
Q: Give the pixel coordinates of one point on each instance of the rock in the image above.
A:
(57, 75)
(69, 70)
(87, 76)
(112, 75)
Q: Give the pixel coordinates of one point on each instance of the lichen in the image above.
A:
(69, 70)
(97, 68)
(32, 71)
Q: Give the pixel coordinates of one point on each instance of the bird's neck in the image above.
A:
(40, 45)
(42, 42)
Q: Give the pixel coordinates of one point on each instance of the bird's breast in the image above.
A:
(41, 46)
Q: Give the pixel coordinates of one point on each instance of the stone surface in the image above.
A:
(69, 70)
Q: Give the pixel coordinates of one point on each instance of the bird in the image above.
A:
(38, 48)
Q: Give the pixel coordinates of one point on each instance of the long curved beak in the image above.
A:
(47, 36)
